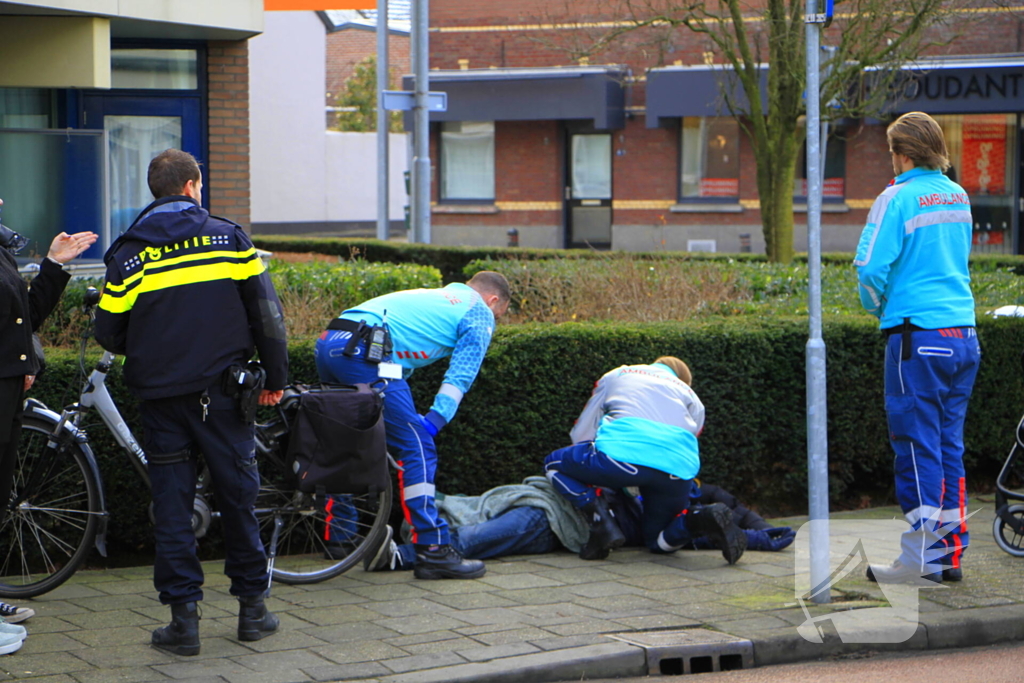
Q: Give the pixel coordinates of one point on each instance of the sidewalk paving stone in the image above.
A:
(537, 618)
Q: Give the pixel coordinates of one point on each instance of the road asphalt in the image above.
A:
(533, 618)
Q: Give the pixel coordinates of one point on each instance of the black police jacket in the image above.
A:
(186, 296)
(23, 310)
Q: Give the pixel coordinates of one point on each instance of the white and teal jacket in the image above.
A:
(429, 324)
(644, 415)
(912, 256)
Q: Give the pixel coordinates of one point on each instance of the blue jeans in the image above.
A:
(576, 470)
(926, 400)
(408, 442)
(517, 531)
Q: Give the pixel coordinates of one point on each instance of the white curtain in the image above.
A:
(467, 160)
(592, 166)
(133, 141)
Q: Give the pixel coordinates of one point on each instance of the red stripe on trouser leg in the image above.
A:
(963, 505)
(405, 508)
(958, 550)
(330, 518)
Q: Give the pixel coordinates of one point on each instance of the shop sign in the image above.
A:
(964, 90)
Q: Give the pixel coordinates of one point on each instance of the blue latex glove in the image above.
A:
(428, 425)
(772, 540)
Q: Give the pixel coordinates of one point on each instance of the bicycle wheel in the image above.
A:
(353, 523)
(1006, 538)
(53, 525)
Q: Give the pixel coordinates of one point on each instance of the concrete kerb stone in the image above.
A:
(606, 660)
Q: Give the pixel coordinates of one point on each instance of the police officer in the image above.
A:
(424, 325)
(187, 300)
(912, 266)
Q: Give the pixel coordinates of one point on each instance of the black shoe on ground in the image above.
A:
(387, 557)
(715, 522)
(605, 533)
(181, 636)
(898, 572)
(953, 574)
(445, 562)
(255, 621)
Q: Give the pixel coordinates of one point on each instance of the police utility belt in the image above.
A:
(376, 337)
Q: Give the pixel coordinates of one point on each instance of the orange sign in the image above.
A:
(316, 5)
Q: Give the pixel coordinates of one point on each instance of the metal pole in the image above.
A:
(817, 411)
(421, 123)
(383, 208)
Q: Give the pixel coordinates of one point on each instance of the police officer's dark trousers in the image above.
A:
(175, 431)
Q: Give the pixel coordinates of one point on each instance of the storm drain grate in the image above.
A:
(690, 651)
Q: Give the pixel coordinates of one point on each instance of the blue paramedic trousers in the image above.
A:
(576, 470)
(926, 400)
(174, 432)
(408, 442)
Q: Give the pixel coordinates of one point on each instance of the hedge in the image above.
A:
(452, 260)
(750, 375)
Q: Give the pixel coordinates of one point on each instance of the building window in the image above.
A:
(26, 108)
(710, 159)
(834, 181)
(981, 156)
(467, 161)
(151, 69)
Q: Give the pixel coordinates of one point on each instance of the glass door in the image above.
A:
(139, 128)
(589, 191)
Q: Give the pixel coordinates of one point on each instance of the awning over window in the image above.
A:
(964, 86)
(677, 91)
(596, 93)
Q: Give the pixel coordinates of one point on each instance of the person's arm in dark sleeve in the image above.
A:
(45, 291)
(114, 311)
(266, 318)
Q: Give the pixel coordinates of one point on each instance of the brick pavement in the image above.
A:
(545, 617)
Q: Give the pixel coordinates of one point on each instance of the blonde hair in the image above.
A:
(677, 366)
(919, 137)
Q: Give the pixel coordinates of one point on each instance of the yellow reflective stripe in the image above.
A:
(177, 277)
(248, 253)
(108, 287)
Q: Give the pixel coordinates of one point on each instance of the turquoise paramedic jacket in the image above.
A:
(429, 324)
(912, 256)
(644, 415)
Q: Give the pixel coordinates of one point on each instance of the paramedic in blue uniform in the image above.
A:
(639, 428)
(186, 299)
(912, 267)
(424, 325)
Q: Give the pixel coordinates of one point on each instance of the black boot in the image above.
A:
(445, 562)
(715, 522)
(254, 620)
(605, 533)
(181, 636)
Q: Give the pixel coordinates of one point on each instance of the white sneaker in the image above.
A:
(387, 557)
(13, 629)
(10, 643)
(15, 615)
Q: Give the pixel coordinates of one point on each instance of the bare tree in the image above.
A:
(874, 40)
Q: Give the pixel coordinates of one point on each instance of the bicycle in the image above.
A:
(57, 511)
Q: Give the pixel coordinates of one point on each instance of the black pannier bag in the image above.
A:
(337, 441)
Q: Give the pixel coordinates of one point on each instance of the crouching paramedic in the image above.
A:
(422, 326)
(640, 428)
(187, 301)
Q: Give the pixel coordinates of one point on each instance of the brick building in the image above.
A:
(632, 150)
(92, 90)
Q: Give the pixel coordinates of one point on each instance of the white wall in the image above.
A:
(302, 173)
(352, 176)
(287, 73)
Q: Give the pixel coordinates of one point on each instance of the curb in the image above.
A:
(616, 659)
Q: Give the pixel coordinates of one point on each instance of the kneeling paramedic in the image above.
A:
(414, 328)
(187, 301)
(639, 429)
